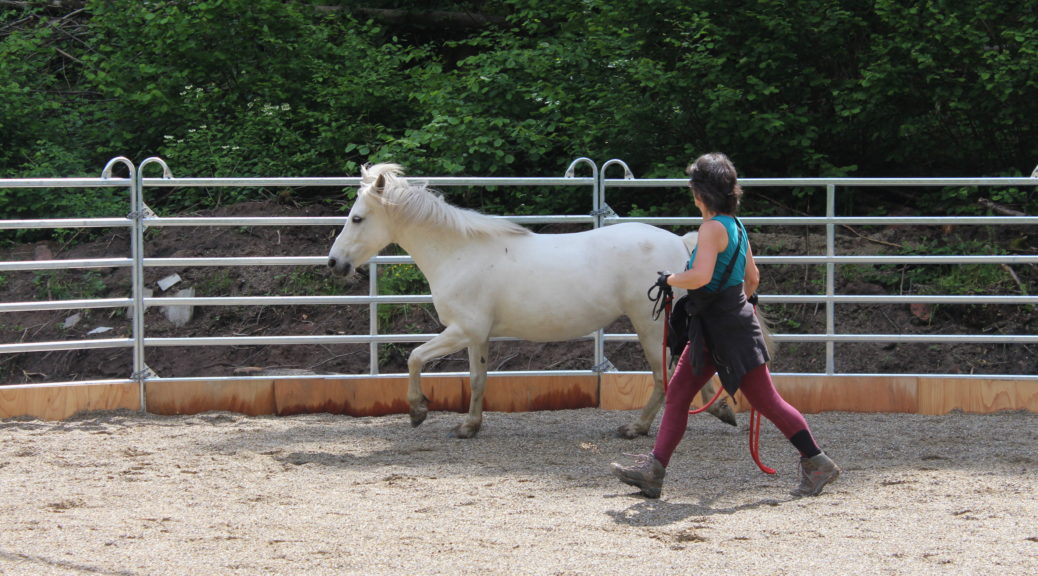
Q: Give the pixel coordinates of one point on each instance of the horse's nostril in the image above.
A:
(331, 262)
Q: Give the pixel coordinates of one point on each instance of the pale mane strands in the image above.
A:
(413, 204)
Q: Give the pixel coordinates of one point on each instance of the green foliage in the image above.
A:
(266, 87)
(942, 279)
(216, 283)
(402, 279)
(308, 283)
(39, 117)
(958, 279)
(66, 285)
(399, 279)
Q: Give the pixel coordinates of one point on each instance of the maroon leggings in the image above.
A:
(756, 386)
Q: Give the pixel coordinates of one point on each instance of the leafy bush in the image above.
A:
(399, 279)
(65, 285)
(265, 87)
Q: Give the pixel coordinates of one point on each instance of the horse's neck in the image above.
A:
(432, 249)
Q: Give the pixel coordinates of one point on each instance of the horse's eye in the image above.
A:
(357, 219)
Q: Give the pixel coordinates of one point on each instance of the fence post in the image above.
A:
(373, 317)
(136, 270)
(830, 279)
(141, 212)
(597, 195)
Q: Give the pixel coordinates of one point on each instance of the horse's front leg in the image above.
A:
(478, 382)
(447, 342)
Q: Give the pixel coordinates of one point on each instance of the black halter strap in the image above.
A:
(731, 263)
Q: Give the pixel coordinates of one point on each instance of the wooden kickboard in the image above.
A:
(942, 395)
(249, 397)
(388, 395)
(524, 394)
(381, 396)
(59, 402)
(376, 396)
(812, 394)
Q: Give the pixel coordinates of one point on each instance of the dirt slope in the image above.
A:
(314, 241)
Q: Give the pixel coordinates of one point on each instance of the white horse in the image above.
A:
(491, 277)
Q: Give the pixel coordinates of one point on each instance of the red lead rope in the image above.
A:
(755, 417)
(755, 441)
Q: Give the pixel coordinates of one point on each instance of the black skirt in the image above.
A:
(724, 324)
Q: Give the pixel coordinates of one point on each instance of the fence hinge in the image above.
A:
(144, 374)
(143, 214)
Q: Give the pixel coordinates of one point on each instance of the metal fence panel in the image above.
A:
(140, 217)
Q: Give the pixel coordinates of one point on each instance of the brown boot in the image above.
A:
(815, 473)
(646, 474)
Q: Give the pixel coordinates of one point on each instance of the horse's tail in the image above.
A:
(689, 240)
(765, 329)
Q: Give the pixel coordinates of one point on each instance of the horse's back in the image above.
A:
(562, 286)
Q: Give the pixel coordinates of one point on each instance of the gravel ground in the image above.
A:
(218, 493)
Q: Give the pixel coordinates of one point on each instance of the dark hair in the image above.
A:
(714, 180)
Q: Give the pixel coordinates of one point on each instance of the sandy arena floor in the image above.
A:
(218, 493)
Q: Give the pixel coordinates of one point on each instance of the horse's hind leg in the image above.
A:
(720, 409)
(477, 382)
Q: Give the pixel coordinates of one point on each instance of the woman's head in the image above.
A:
(714, 182)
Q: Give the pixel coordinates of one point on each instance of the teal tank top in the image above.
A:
(732, 251)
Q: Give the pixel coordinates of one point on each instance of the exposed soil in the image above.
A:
(305, 320)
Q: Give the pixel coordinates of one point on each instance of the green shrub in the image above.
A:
(68, 285)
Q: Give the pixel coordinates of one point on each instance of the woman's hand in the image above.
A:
(752, 279)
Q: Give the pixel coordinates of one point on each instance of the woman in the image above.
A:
(725, 337)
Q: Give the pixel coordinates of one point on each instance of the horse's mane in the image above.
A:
(417, 204)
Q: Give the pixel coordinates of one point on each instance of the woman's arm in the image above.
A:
(713, 239)
(752, 280)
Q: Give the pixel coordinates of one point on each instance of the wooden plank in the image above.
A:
(250, 397)
(811, 394)
(377, 396)
(942, 395)
(808, 393)
(618, 391)
(524, 394)
(58, 402)
(364, 396)
(381, 396)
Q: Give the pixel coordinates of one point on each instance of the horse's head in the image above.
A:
(366, 231)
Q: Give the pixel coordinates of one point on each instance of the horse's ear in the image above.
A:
(380, 184)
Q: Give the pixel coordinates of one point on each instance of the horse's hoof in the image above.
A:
(418, 416)
(629, 432)
(723, 412)
(464, 431)
(419, 411)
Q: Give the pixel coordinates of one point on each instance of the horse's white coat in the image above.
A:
(490, 277)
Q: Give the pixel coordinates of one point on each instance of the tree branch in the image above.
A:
(52, 4)
(998, 208)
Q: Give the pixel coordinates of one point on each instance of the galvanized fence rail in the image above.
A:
(140, 217)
